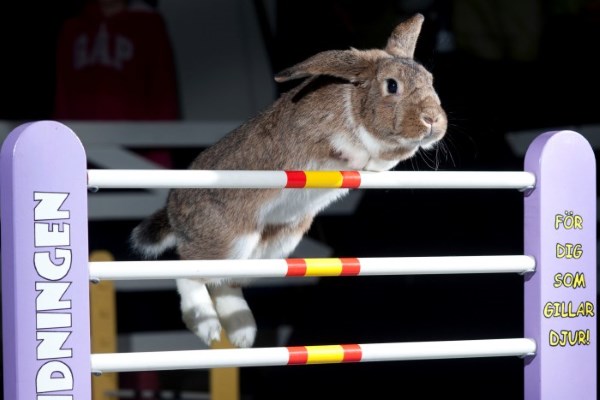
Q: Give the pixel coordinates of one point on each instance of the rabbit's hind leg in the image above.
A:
(228, 299)
(275, 241)
(198, 311)
(233, 310)
(235, 314)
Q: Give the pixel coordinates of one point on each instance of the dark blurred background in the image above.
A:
(500, 67)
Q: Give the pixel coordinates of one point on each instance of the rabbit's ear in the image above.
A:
(347, 64)
(403, 39)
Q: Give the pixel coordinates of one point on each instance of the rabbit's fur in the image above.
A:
(345, 116)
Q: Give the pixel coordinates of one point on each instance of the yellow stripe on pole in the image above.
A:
(325, 354)
(323, 267)
(324, 179)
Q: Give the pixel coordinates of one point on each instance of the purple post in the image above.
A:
(560, 297)
(45, 279)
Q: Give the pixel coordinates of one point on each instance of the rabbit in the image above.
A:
(357, 110)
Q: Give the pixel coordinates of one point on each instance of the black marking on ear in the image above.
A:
(315, 84)
(285, 74)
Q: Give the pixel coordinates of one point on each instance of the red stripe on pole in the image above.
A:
(352, 353)
(351, 179)
(295, 179)
(350, 266)
(296, 267)
(298, 355)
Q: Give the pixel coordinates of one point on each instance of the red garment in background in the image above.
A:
(116, 68)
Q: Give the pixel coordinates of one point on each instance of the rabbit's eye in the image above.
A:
(392, 86)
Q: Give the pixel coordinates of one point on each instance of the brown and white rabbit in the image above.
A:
(358, 110)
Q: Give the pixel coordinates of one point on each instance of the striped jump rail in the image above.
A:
(304, 267)
(304, 355)
(245, 179)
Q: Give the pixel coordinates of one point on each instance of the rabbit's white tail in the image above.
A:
(153, 236)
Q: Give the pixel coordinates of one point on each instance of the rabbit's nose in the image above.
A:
(429, 119)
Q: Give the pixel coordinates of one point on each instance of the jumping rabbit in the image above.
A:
(358, 110)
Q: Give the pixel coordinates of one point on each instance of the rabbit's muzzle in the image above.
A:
(434, 124)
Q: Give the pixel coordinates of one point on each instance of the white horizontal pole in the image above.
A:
(448, 180)
(266, 268)
(268, 356)
(520, 347)
(165, 179)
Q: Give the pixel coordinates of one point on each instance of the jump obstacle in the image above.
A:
(46, 272)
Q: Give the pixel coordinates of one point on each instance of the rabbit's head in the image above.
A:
(393, 97)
